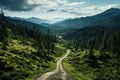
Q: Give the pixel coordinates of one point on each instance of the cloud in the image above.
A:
(69, 10)
(65, 2)
(48, 3)
(52, 4)
(68, 7)
(59, 3)
(75, 3)
(18, 5)
(28, 5)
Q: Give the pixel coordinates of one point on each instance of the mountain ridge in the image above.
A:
(108, 18)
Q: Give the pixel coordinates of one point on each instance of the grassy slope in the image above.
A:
(79, 69)
(20, 61)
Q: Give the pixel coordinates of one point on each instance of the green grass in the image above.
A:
(19, 60)
(78, 68)
(74, 74)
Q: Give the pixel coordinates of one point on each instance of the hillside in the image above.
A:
(24, 22)
(25, 51)
(108, 38)
(95, 53)
(104, 66)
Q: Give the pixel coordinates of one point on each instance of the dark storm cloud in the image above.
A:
(17, 5)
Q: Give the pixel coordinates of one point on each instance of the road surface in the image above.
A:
(59, 67)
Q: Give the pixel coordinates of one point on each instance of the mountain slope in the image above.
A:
(95, 53)
(23, 22)
(103, 37)
(109, 18)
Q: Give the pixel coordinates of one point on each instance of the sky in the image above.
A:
(56, 9)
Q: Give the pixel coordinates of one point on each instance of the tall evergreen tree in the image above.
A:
(3, 29)
(48, 44)
(90, 56)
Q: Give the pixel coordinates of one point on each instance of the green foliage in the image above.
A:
(23, 51)
(78, 67)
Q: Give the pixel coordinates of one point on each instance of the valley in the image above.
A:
(75, 49)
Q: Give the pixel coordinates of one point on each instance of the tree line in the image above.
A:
(98, 37)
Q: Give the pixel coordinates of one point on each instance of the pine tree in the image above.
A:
(3, 32)
(90, 56)
(48, 44)
(52, 47)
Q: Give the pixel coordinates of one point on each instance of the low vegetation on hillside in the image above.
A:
(103, 67)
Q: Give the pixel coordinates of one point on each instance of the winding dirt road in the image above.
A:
(59, 67)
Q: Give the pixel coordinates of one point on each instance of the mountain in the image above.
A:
(33, 20)
(23, 22)
(37, 20)
(109, 18)
(16, 18)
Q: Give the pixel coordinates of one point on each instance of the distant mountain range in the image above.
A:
(37, 20)
(32, 19)
(109, 18)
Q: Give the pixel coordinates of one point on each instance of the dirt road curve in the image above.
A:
(59, 67)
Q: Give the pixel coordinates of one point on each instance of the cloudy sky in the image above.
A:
(56, 9)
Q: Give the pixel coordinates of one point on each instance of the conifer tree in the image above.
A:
(3, 32)
(48, 44)
(90, 56)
